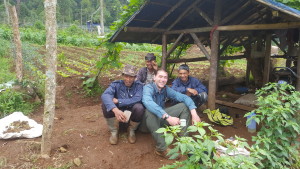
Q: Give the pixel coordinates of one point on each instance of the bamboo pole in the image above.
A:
(267, 59)
(214, 58)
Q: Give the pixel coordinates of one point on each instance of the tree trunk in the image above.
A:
(50, 85)
(17, 41)
(18, 7)
(7, 11)
(101, 17)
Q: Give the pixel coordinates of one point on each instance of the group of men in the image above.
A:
(143, 94)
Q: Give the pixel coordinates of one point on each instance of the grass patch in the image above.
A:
(5, 66)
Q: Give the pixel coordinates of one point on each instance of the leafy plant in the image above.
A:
(200, 148)
(11, 101)
(279, 116)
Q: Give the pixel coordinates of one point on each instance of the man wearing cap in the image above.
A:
(123, 95)
(145, 74)
(156, 115)
(190, 86)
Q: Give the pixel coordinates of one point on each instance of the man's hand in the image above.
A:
(173, 121)
(119, 115)
(154, 65)
(192, 91)
(115, 100)
(195, 117)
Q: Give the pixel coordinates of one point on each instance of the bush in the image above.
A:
(12, 101)
(279, 115)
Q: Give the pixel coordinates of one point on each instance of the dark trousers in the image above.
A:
(137, 112)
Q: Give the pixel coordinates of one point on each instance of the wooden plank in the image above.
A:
(204, 59)
(213, 70)
(204, 15)
(175, 45)
(267, 64)
(235, 13)
(200, 45)
(141, 29)
(167, 13)
(188, 9)
(240, 27)
(239, 106)
(164, 52)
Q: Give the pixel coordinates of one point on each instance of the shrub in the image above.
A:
(279, 115)
(12, 101)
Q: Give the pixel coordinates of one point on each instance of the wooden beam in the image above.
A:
(167, 13)
(143, 20)
(141, 29)
(175, 45)
(275, 41)
(213, 69)
(273, 26)
(164, 52)
(235, 13)
(239, 106)
(204, 59)
(200, 45)
(204, 15)
(188, 9)
(267, 59)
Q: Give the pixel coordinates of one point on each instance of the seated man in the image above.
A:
(145, 74)
(123, 95)
(156, 115)
(190, 86)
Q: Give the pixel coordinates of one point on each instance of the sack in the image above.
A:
(217, 117)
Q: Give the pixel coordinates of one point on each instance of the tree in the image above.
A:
(50, 86)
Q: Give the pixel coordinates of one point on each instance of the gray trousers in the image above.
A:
(153, 123)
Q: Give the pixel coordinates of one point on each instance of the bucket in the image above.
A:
(252, 124)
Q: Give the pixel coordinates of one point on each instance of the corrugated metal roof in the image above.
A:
(163, 16)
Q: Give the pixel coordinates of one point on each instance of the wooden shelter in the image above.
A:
(217, 24)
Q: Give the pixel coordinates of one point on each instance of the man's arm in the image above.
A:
(176, 85)
(107, 97)
(199, 86)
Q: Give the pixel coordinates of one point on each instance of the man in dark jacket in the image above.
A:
(146, 74)
(190, 86)
(120, 96)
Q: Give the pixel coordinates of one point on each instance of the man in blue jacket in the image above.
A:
(156, 115)
(190, 86)
(123, 95)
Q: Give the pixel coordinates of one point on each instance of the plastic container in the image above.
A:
(252, 125)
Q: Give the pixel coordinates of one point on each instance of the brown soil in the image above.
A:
(80, 132)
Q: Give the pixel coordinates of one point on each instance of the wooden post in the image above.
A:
(17, 41)
(267, 59)
(214, 58)
(298, 71)
(164, 52)
(200, 45)
(50, 86)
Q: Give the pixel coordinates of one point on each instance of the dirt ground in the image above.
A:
(81, 130)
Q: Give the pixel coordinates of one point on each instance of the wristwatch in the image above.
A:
(166, 117)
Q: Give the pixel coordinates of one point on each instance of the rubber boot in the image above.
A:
(113, 125)
(131, 131)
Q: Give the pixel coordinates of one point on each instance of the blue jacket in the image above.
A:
(154, 100)
(126, 96)
(192, 83)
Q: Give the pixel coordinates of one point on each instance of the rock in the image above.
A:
(77, 162)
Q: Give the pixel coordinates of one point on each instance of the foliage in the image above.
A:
(12, 101)
(291, 3)
(279, 115)
(5, 62)
(200, 149)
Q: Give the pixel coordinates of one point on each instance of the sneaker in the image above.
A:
(164, 154)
